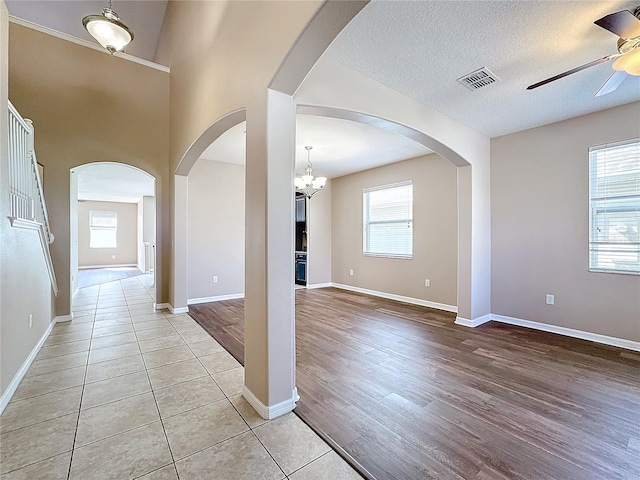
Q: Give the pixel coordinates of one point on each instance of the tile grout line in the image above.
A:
(236, 409)
(86, 367)
(155, 401)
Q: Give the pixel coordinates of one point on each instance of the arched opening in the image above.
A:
(270, 115)
(112, 225)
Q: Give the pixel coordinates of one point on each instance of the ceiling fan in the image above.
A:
(626, 26)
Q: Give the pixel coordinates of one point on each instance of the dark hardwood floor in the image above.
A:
(409, 395)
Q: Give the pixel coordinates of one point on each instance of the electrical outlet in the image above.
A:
(215, 279)
(427, 282)
(30, 320)
(550, 299)
(351, 273)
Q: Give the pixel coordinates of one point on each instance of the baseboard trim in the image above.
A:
(398, 298)
(13, 386)
(274, 411)
(117, 265)
(171, 308)
(319, 285)
(569, 332)
(218, 298)
(465, 322)
(63, 318)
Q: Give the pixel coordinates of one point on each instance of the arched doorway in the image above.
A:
(112, 224)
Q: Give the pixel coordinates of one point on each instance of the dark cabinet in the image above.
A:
(301, 268)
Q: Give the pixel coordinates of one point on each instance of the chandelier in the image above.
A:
(108, 30)
(307, 184)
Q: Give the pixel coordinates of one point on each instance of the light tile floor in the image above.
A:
(124, 391)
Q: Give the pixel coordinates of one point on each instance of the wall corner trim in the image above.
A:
(274, 411)
(476, 322)
(569, 332)
(218, 298)
(398, 298)
(319, 285)
(171, 308)
(13, 386)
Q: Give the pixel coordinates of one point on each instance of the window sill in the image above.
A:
(620, 272)
(383, 255)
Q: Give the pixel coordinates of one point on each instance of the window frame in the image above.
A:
(603, 204)
(102, 228)
(366, 222)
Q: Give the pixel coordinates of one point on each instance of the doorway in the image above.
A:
(113, 224)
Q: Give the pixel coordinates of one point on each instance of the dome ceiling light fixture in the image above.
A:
(108, 30)
(307, 184)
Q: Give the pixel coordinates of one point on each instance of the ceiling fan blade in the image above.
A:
(569, 72)
(623, 23)
(612, 83)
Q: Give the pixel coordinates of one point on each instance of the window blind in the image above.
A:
(103, 229)
(614, 203)
(388, 220)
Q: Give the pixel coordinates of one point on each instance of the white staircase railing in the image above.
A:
(28, 208)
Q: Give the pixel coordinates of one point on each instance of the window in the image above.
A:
(614, 204)
(388, 220)
(103, 229)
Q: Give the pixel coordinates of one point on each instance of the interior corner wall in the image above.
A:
(88, 106)
(25, 288)
(319, 237)
(126, 250)
(434, 236)
(148, 232)
(140, 248)
(216, 229)
(540, 227)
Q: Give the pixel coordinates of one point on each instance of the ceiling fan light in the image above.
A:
(629, 62)
(108, 30)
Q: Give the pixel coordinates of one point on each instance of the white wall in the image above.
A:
(319, 237)
(149, 230)
(73, 234)
(142, 261)
(540, 227)
(146, 232)
(126, 251)
(216, 229)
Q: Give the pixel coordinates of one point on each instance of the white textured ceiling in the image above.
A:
(340, 147)
(113, 182)
(421, 48)
(142, 16)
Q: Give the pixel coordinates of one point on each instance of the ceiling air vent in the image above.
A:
(478, 79)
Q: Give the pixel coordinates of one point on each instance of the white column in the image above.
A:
(269, 351)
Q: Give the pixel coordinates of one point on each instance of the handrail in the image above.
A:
(28, 206)
(43, 204)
